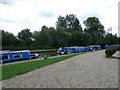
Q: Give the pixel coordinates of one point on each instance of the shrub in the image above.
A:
(110, 51)
(118, 48)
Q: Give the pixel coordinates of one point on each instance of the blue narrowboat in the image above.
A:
(96, 48)
(66, 50)
(88, 48)
(14, 55)
(110, 46)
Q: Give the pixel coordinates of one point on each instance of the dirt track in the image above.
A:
(91, 70)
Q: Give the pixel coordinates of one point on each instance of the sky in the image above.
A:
(16, 15)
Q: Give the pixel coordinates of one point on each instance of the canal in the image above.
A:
(42, 54)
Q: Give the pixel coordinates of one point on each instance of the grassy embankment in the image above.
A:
(43, 50)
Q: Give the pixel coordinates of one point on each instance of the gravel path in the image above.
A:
(91, 70)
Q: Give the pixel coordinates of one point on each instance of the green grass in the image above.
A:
(42, 50)
(13, 70)
(108, 57)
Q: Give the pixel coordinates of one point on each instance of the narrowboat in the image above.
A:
(67, 50)
(14, 55)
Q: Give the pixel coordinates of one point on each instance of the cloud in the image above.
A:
(7, 3)
(23, 21)
(47, 14)
(34, 14)
(91, 13)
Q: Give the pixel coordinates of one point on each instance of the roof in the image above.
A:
(8, 51)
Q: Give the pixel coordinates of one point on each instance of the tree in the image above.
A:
(111, 39)
(8, 40)
(45, 38)
(118, 40)
(95, 28)
(69, 23)
(80, 39)
(52, 38)
(72, 22)
(41, 38)
(25, 37)
(61, 23)
(62, 38)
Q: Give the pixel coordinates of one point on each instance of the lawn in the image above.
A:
(13, 70)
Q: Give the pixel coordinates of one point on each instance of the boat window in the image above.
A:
(0, 57)
(17, 55)
(4, 57)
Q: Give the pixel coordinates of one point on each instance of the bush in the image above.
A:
(118, 48)
(110, 51)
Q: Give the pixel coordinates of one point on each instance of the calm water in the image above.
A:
(48, 54)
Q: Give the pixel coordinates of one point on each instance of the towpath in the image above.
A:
(91, 70)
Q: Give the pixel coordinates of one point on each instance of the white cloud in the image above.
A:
(34, 14)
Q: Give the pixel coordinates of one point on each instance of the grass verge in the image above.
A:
(13, 70)
(43, 50)
(108, 57)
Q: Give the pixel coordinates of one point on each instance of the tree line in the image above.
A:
(68, 32)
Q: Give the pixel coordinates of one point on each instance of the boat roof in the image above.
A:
(8, 51)
(74, 47)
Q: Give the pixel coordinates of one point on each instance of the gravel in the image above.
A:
(91, 70)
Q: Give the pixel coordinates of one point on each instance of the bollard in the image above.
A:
(45, 57)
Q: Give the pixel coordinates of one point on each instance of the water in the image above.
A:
(48, 54)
